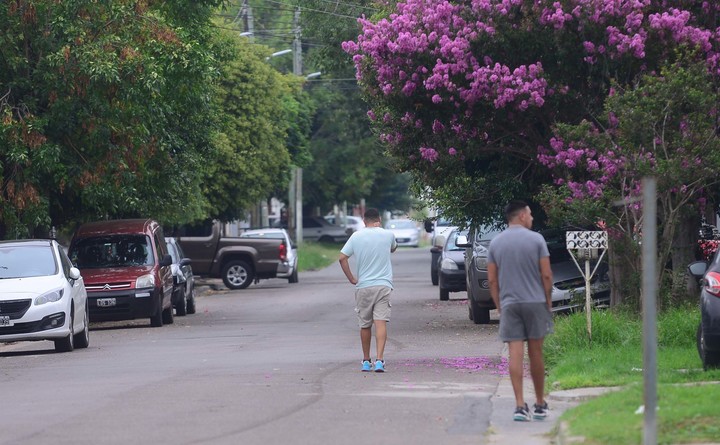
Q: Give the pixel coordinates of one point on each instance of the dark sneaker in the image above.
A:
(540, 412)
(379, 366)
(366, 366)
(522, 414)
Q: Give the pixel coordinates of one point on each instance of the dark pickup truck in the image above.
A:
(238, 261)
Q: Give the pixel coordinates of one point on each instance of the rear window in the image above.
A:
(112, 251)
(27, 261)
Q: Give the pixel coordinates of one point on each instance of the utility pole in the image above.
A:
(247, 18)
(297, 171)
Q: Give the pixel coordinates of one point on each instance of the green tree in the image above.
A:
(105, 110)
(263, 130)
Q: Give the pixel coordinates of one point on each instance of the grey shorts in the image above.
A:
(372, 303)
(522, 321)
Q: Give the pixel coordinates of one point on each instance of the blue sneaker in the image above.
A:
(366, 366)
(379, 366)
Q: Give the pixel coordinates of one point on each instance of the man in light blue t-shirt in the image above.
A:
(371, 247)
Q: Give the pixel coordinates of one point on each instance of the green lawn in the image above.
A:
(688, 409)
(315, 256)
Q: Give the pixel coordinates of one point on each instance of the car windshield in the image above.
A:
(27, 261)
(400, 224)
(173, 251)
(485, 234)
(450, 244)
(112, 251)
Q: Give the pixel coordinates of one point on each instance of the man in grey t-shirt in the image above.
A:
(521, 286)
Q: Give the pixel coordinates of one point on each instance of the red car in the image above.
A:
(126, 268)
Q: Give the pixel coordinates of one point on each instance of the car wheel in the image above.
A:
(480, 315)
(191, 302)
(181, 305)
(156, 320)
(167, 315)
(237, 274)
(444, 294)
(326, 239)
(294, 277)
(82, 340)
(67, 343)
(710, 359)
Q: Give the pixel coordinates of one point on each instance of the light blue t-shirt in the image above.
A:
(371, 247)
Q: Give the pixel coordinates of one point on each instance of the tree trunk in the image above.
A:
(624, 272)
(684, 247)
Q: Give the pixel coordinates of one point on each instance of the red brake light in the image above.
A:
(712, 283)
(283, 251)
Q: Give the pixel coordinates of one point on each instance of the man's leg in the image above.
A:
(517, 352)
(380, 337)
(537, 368)
(365, 338)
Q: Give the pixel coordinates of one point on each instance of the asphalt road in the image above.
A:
(277, 363)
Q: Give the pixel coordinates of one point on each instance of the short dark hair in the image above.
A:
(514, 208)
(372, 214)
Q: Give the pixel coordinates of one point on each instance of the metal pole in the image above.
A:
(588, 298)
(297, 177)
(649, 262)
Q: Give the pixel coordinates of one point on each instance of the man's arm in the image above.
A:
(345, 266)
(494, 285)
(547, 279)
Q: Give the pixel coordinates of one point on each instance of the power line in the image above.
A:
(302, 8)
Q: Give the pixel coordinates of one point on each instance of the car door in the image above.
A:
(312, 229)
(77, 290)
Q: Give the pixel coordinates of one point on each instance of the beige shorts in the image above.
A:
(372, 303)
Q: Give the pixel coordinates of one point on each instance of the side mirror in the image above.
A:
(697, 269)
(439, 241)
(428, 226)
(185, 262)
(166, 261)
(462, 241)
(74, 273)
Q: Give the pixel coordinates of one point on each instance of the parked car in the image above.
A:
(440, 227)
(568, 283)
(126, 267)
(451, 266)
(406, 232)
(238, 261)
(435, 253)
(318, 229)
(708, 332)
(287, 268)
(353, 223)
(42, 295)
(183, 279)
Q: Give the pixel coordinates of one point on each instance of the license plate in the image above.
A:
(5, 320)
(106, 302)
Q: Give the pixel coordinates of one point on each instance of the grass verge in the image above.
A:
(614, 358)
(314, 256)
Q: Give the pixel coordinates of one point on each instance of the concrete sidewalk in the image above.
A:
(505, 431)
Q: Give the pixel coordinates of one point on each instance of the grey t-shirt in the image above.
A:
(516, 252)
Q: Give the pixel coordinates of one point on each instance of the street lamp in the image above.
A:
(279, 53)
(313, 75)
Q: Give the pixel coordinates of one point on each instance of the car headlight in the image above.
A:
(481, 262)
(448, 264)
(49, 297)
(145, 281)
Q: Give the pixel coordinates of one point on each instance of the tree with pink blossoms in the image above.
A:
(468, 90)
